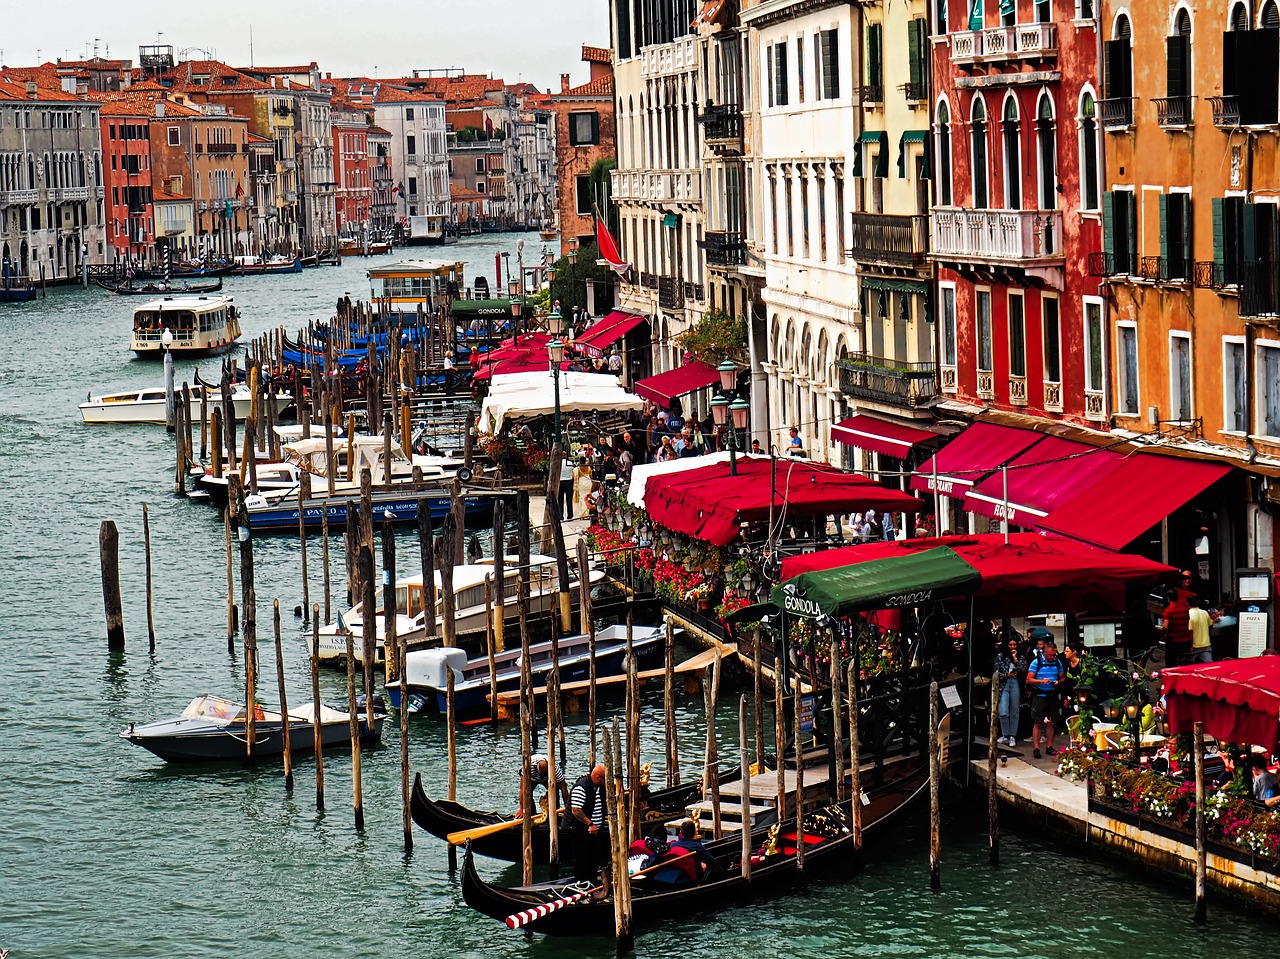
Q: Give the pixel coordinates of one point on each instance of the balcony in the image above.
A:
(1053, 397)
(872, 93)
(724, 249)
(670, 293)
(915, 92)
(1226, 112)
(1164, 269)
(722, 127)
(1209, 275)
(1008, 237)
(1018, 390)
(1113, 264)
(1259, 288)
(1095, 405)
(1025, 41)
(14, 197)
(222, 148)
(286, 163)
(72, 194)
(657, 186)
(889, 240)
(694, 291)
(1173, 112)
(986, 384)
(1116, 113)
(887, 380)
(666, 59)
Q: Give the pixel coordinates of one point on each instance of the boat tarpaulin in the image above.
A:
(522, 396)
(1043, 477)
(970, 457)
(880, 436)
(664, 387)
(1139, 493)
(908, 579)
(1238, 700)
(711, 505)
(1032, 573)
(606, 331)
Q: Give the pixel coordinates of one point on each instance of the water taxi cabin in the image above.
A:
(408, 284)
(199, 325)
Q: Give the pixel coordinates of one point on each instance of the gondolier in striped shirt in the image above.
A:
(590, 831)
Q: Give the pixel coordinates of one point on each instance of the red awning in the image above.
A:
(1237, 700)
(529, 354)
(606, 331)
(1032, 573)
(664, 387)
(710, 505)
(1140, 492)
(880, 436)
(1041, 479)
(967, 459)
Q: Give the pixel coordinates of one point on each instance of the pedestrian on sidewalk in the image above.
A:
(1008, 672)
(1044, 674)
(1200, 623)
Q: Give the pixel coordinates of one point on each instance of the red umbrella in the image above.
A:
(1237, 700)
(710, 505)
(1032, 573)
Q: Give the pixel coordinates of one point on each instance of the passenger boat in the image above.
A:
(427, 670)
(260, 266)
(470, 609)
(561, 907)
(443, 817)
(211, 728)
(148, 406)
(200, 325)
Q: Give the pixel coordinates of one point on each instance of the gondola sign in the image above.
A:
(795, 602)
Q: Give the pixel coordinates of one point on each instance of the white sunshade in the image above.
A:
(522, 396)
(641, 473)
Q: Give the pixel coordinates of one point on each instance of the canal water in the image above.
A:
(107, 852)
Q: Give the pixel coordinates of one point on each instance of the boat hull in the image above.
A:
(283, 516)
(190, 741)
(153, 411)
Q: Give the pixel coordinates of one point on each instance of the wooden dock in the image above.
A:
(571, 693)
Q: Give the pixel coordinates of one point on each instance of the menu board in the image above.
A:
(1253, 634)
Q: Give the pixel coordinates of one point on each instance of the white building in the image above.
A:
(419, 159)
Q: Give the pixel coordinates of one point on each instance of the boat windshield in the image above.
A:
(212, 707)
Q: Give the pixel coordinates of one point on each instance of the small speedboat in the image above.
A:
(427, 670)
(148, 406)
(211, 728)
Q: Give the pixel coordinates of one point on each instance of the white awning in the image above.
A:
(641, 472)
(522, 396)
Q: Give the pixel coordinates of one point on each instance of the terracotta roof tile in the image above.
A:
(596, 54)
(599, 87)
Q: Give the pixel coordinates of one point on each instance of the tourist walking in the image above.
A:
(1008, 672)
(1044, 674)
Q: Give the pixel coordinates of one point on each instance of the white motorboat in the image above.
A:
(148, 405)
(470, 610)
(196, 326)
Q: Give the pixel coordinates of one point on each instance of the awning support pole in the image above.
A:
(1004, 521)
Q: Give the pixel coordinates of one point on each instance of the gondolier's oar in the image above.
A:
(461, 838)
(526, 916)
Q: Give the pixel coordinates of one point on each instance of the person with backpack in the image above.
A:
(1045, 675)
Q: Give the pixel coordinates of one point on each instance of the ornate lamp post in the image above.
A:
(734, 414)
(555, 352)
(517, 307)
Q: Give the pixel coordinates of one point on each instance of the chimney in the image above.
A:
(564, 83)
(31, 90)
(160, 108)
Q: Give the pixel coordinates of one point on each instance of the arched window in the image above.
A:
(1047, 151)
(1270, 16)
(1239, 17)
(1118, 75)
(978, 134)
(944, 154)
(1088, 152)
(1012, 155)
(1177, 107)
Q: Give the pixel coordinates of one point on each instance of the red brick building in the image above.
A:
(351, 167)
(585, 133)
(128, 209)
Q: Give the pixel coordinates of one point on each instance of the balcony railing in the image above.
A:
(670, 293)
(72, 194)
(693, 291)
(915, 92)
(665, 59)
(1018, 390)
(1053, 397)
(888, 380)
(888, 239)
(872, 93)
(721, 122)
(1164, 269)
(19, 196)
(1113, 264)
(724, 249)
(1095, 404)
(1226, 112)
(223, 148)
(1028, 40)
(670, 186)
(1116, 112)
(1014, 237)
(1259, 288)
(1210, 275)
(1173, 111)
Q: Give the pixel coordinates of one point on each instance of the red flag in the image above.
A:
(608, 247)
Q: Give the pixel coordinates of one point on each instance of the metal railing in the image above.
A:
(670, 293)
(883, 378)
(1173, 111)
(1113, 264)
(1209, 275)
(889, 239)
(1226, 111)
(1017, 236)
(1116, 112)
(1259, 288)
(872, 93)
(721, 121)
(724, 249)
(1164, 268)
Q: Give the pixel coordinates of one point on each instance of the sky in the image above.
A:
(530, 40)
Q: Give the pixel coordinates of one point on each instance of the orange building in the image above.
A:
(1191, 246)
(126, 160)
(585, 134)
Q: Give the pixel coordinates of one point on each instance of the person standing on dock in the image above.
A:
(1008, 673)
(1044, 675)
(590, 834)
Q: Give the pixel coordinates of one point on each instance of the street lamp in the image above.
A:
(516, 309)
(728, 371)
(734, 414)
(1132, 710)
(573, 249)
(555, 352)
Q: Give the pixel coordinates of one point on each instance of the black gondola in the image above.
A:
(441, 817)
(654, 903)
(161, 288)
(181, 272)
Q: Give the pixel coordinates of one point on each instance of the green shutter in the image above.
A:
(915, 54)
(857, 159)
(1109, 223)
(1188, 263)
(1219, 251)
(1164, 227)
(975, 15)
(1250, 238)
(875, 73)
(882, 158)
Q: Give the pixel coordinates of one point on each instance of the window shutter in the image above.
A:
(1230, 54)
(768, 67)
(1109, 225)
(831, 63)
(819, 67)
(1261, 59)
(1219, 251)
(874, 71)
(1117, 68)
(1250, 221)
(780, 74)
(915, 52)
(595, 127)
(1164, 228)
(1187, 252)
(1177, 53)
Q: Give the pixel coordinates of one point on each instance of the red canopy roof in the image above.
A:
(529, 354)
(607, 330)
(664, 387)
(967, 459)
(711, 505)
(1034, 573)
(881, 436)
(1237, 700)
(1143, 490)
(1040, 479)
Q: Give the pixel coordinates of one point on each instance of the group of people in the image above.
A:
(1187, 626)
(1047, 678)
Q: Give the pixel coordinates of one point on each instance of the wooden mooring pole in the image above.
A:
(855, 755)
(357, 798)
(316, 732)
(109, 558)
(993, 754)
(284, 699)
(1201, 877)
(744, 762)
(935, 819)
(669, 706)
(146, 545)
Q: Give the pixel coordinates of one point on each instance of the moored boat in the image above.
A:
(198, 326)
(261, 266)
(148, 405)
(212, 728)
(162, 287)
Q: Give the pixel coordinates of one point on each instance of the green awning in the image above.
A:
(488, 308)
(879, 137)
(912, 136)
(895, 286)
(923, 577)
